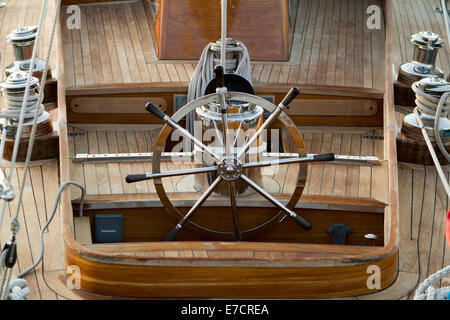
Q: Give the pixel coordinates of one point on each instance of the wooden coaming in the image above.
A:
(226, 282)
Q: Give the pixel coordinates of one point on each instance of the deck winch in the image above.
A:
(22, 40)
(13, 90)
(428, 125)
(233, 47)
(426, 48)
(428, 93)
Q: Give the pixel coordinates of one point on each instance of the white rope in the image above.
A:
(427, 292)
(5, 277)
(13, 109)
(437, 133)
(432, 152)
(204, 73)
(18, 290)
(436, 108)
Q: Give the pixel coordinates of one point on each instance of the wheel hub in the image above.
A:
(230, 169)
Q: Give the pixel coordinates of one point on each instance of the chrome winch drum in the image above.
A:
(232, 55)
(426, 48)
(13, 90)
(22, 40)
(243, 119)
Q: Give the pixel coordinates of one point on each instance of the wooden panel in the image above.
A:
(121, 105)
(111, 108)
(153, 224)
(305, 107)
(186, 27)
(351, 108)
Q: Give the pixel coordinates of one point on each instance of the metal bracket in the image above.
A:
(130, 157)
(440, 10)
(339, 233)
(338, 159)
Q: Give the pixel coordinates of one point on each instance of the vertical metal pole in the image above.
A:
(446, 19)
(223, 46)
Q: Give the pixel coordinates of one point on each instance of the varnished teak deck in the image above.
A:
(422, 205)
(325, 180)
(331, 47)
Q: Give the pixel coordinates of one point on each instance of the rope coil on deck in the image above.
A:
(203, 74)
(427, 292)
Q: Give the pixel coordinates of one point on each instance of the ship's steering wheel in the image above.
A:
(230, 167)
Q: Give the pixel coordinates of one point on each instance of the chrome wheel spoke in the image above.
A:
(149, 176)
(150, 107)
(305, 224)
(308, 158)
(193, 139)
(287, 99)
(191, 212)
(234, 212)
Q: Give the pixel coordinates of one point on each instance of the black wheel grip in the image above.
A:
(172, 234)
(220, 76)
(150, 107)
(305, 224)
(324, 157)
(290, 96)
(135, 177)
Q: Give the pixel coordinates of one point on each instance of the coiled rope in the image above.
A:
(433, 108)
(427, 292)
(14, 107)
(203, 73)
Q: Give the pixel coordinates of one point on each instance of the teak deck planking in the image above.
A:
(103, 178)
(122, 40)
(411, 17)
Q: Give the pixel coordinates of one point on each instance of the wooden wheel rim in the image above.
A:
(267, 106)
